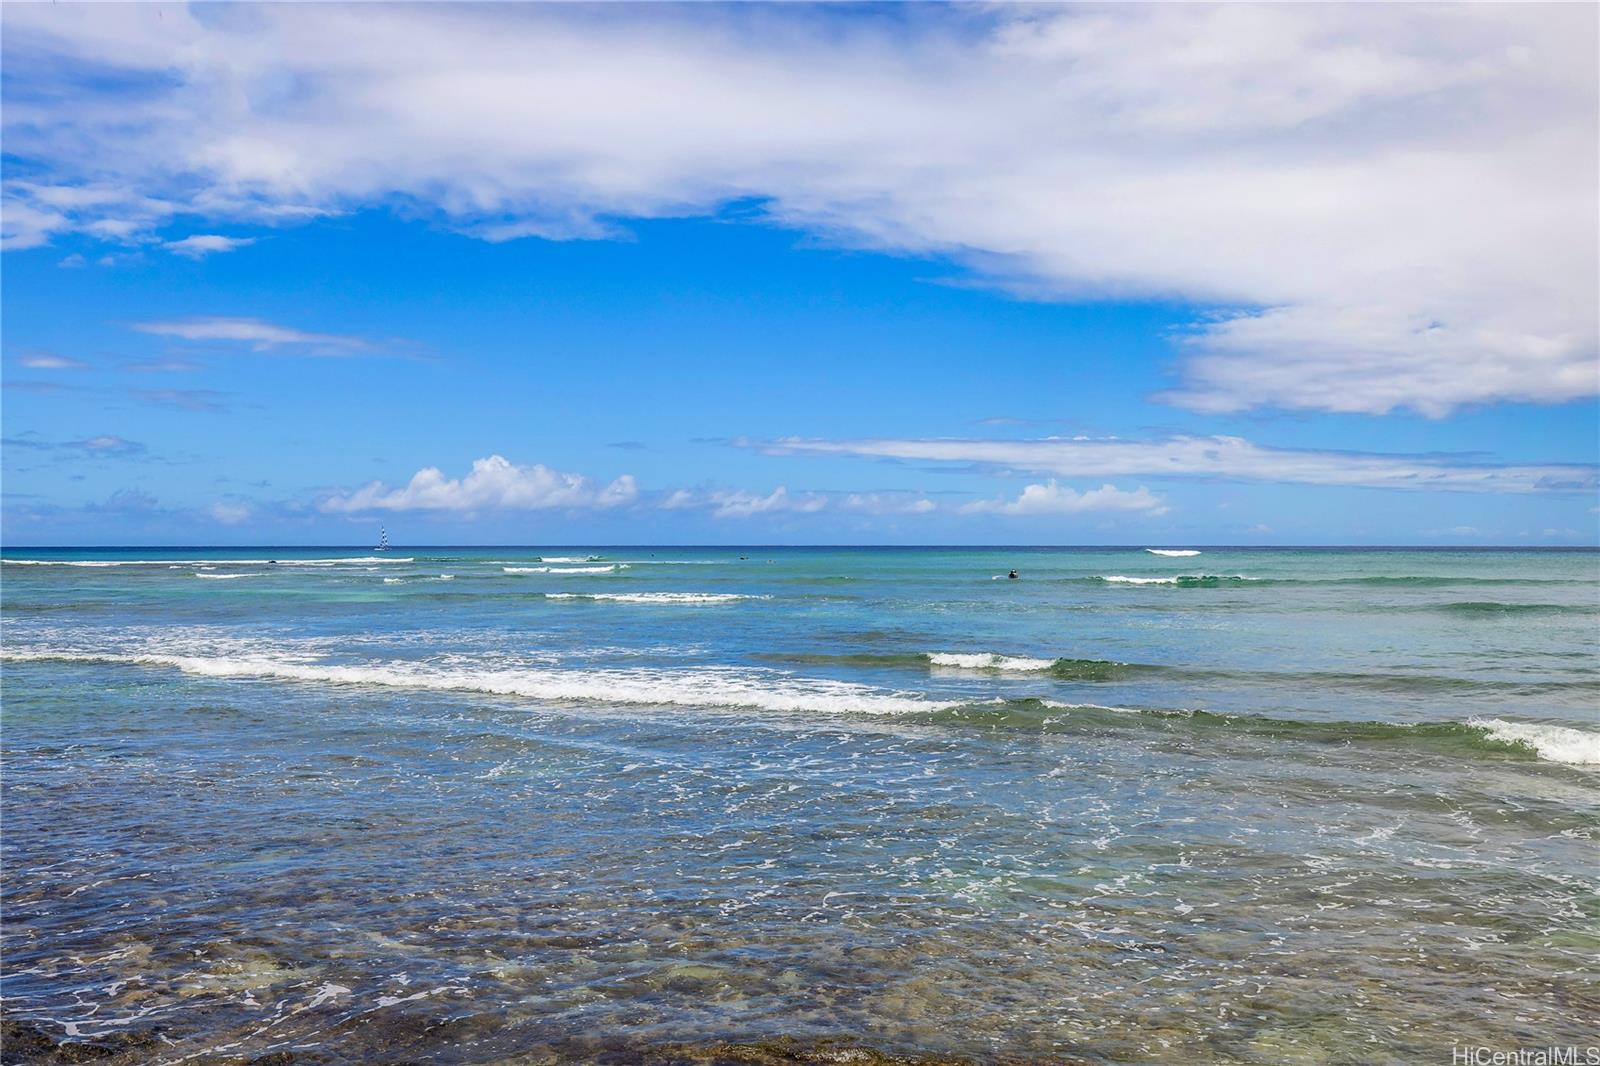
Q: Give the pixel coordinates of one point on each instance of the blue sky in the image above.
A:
(285, 293)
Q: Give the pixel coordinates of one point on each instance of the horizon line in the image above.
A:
(1140, 546)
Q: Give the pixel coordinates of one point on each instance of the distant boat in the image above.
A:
(383, 540)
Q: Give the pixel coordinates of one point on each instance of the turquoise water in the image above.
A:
(475, 804)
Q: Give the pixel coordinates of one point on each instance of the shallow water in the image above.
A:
(470, 804)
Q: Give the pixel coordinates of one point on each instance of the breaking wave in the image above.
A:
(173, 563)
(656, 597)
(733, 687)
(700, 687)
(1180, 580)
(564, 569)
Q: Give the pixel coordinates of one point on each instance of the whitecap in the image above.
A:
(656, 597)
(563, 569)
(1558, 743)
(989, 661)
(169, 563)
(1175, 553)
(699, 687)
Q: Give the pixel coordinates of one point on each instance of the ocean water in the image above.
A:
(466, 805)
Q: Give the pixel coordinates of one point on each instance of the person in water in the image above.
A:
(1012, 575)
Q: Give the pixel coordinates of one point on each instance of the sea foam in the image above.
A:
(1558, 743)
(1175, 553)
(564, 569)
(989, 661)
(1187, 580)
(701, 687)
(173, 563)
(656, 597)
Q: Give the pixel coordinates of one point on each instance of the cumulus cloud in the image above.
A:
(1381, 205)
(260, 335)
(1231, 458)
(494, 483)
(1051, 498)
(203, 244)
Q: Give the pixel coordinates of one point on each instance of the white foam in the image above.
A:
(1175, 553)
(569, 558)
(224, 577)
(564, 569)
(656, 597)
(1558, 743)
(392, 580)
(173, 563)
(700, 687)
(1178, 579)
(989, 661)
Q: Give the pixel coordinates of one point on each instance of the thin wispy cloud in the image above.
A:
(203, 244)
(106, 444)
(49, 361)
(1231, 458)
(739, 503)
(1051, 498)
(163, 366)
(199, 400)
(1314, 175)
(31, 385)
(259, 334)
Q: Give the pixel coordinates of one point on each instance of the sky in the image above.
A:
(1138, 274)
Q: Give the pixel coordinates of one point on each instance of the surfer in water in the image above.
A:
(1012, 575)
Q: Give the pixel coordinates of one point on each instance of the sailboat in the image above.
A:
(383, 540)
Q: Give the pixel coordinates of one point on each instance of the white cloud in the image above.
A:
(1050, 498)
(1219, 457)
(741, 503)
(109, 443)
(105, 445)
(1390, 205)
(229, 513)
(888, 503)
(50, 361)
(738, 503)
(494, 483)
(260, 335)
(203, 244)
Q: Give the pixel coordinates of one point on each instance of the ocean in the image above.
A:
(636, 804)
